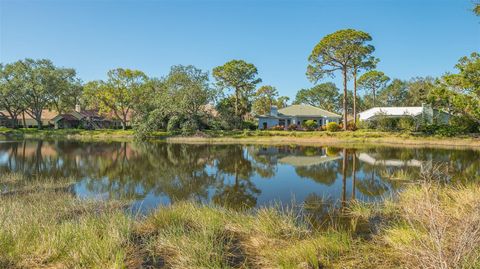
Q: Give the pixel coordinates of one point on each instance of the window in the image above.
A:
(281, 122)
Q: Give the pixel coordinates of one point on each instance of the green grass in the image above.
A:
(427, 226)
(258, 136)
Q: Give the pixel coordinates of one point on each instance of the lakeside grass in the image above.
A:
(258, 137)
(428, 226)
(326, 138)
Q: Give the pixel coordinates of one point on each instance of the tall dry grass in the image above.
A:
(437, 227)
(43, 225)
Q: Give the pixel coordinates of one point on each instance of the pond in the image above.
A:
(236, 176)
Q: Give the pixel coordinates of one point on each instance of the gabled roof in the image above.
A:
(307, 160)
(47, 114)
(306, 111)
(390, 111)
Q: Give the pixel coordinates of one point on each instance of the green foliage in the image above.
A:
(324, 95)
(118, 95)
(241, 77)
(446, 130)
(406, 124)
(189, 126)
(395, 94)
(34, 85)
(265, 98)
(373, 81)
(460, 93)
(333, 127)
(249, 125)
(384, 123)
(227, 117)
(344, 50)
(310, 125)
(174, 123)
(282, 101)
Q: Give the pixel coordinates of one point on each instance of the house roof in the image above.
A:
(390, 111)
(307, 111)
(47, 114)
(300, 161)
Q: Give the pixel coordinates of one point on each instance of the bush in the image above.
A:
(292, 127)
(189, 127)
(465, 124)
(442, 130)
(385, 123)
(173, 124)
(278, 128)
(310, 125)
(333, 127)
(362, 124)
(406, 124)
(250, 125)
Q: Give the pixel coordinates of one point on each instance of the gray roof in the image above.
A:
(307, 111)
(307, 160)
(301, 111)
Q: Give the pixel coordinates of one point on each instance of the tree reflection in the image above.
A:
(225, 174)
(242, 193)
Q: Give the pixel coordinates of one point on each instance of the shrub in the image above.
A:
(333, 127)
(442, 130)
(351, 126)
(406, 124)
(310, 125)
(278, 128)
(362, 124)
(173, 124)
(250, 125)
(292, 127)
(189, 126)
(384, 123)
(465, 124)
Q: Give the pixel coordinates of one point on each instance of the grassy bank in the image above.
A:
(262, 137)
(324, 137)
(429, 226)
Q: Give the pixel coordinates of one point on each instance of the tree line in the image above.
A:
(185, 99)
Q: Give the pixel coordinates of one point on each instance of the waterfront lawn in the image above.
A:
(257, 136)
(428, 226)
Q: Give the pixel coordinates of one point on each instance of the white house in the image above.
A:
(426, 112)
(297, 115)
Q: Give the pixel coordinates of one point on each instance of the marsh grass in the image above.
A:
(427, 226)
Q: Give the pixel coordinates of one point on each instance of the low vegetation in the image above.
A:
(428, 226)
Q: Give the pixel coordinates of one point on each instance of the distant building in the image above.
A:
(426, 112)
(87, 119)
(297, 115)
(26, 121)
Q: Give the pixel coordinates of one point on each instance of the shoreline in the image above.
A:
(359, 137)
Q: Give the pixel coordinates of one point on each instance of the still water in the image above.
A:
(150, 174)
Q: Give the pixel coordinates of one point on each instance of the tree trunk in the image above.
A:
(236, 103)
(13, 116)
(374, 96)
(354, 175)
(344, 179)
(354, 99)
(24, 121)
(38, 118)
(345, 98)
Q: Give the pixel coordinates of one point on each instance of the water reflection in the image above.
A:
(234, 176)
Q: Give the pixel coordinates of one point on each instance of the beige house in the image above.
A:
(26, 121)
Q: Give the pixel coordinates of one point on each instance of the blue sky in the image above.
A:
(412, 37)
